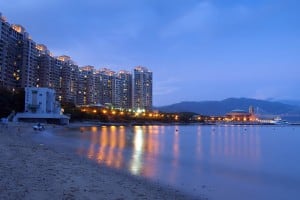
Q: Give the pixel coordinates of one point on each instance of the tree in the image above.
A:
(11, 101)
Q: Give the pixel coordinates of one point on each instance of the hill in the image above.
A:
(226, 105)
(291, 102)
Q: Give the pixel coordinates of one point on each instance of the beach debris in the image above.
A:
(38, 127)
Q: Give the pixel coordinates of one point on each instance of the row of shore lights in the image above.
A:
(137, 113)
(228, 119)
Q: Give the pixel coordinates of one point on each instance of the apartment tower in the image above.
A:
(142, 94)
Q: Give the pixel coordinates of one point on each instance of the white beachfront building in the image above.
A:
(41, 106)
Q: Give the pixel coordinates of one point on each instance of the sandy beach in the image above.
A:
(35, 171)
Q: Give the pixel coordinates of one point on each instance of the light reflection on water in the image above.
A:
(105, 147)
(222, 162)
(138, 143)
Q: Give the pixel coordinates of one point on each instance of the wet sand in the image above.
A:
(35, 171)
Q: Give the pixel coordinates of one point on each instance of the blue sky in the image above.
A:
(197, 49)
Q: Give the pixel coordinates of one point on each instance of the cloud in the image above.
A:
(265, 93)
(197, 18)
(166, 87)
(27, 5)
(207, 18)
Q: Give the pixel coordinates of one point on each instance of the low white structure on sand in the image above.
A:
(41, 106)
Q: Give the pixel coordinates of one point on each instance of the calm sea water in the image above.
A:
(217, 162)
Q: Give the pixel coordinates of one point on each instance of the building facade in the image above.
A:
(41, 106)
(41, 100)
(23, 63)
(86, 86)
(17, 56)
(125, 89)
(105, 86)
(142, 89)
(6, 55)
(68, 80)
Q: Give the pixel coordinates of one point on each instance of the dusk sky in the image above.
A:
(197, 49)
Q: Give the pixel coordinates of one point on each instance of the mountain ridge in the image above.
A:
(224, 106)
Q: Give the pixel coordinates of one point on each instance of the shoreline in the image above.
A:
(37, 171)
(77, 124)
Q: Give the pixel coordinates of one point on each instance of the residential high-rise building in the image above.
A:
(43, 66)
(104, 86)
(17, 56)
(23, 63)
(48, 72)
(68, 80)
(7, 53)
(28, 52)
(125, 89)
(142, 92)
(86, 86)
(114, 89)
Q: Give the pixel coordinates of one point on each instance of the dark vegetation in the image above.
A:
(11, 101)
(118, 116)
(77, 115)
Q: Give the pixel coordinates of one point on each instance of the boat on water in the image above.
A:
(278, 121)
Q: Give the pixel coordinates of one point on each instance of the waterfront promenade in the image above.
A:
(31, 170)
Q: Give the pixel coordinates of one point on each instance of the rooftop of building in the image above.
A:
(238, 112)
